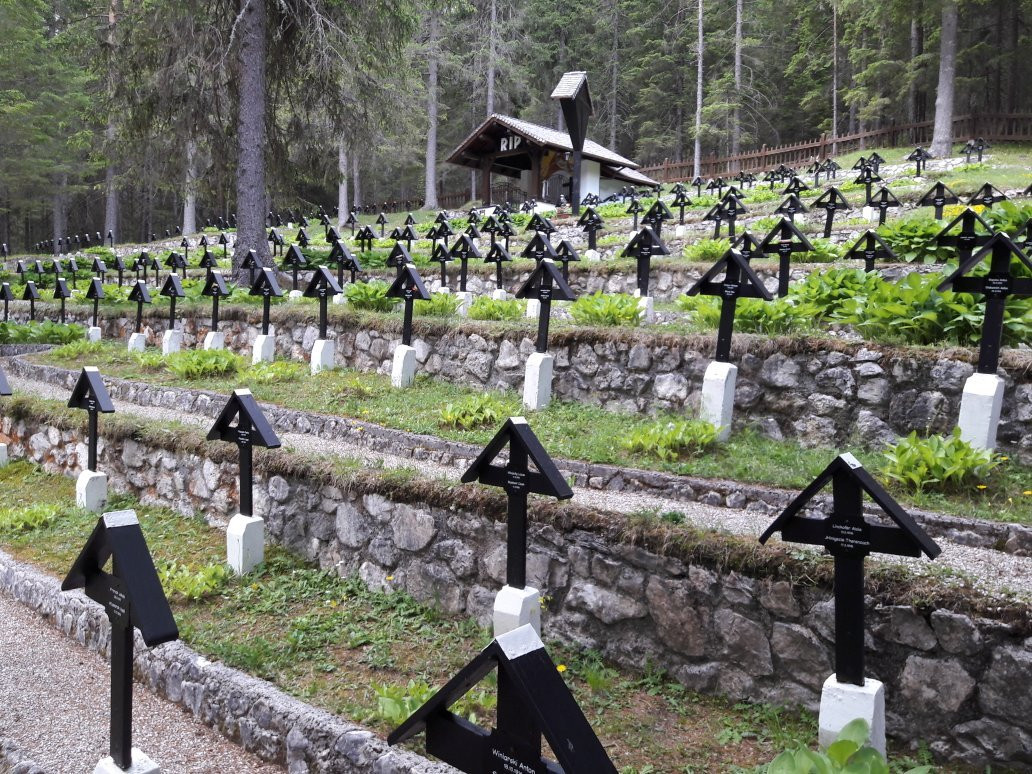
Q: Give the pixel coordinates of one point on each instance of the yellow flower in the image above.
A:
(1027, 492)
(390, 577)
(1004, 459)
(980, 486)
(561, 667)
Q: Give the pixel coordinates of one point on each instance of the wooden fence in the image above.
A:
(993, 127)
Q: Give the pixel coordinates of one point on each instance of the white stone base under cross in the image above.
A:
(3, 455)
(980, 407)
(403, 370)
(323, 355)
(141, 765)
(499, 294)
(842, 703)
(465, 301)
(215, 340)
(339, 298)
(537, 383)
(91, 491)
(514, 608)
(718, 397)
(647, 307)
(93, 333)
(294, 295)
(245, 543)
(171, 342)
(264, 350)
(533, 308)
(137, 342)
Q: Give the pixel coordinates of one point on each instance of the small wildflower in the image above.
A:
(1027, 492)
(980, 486)
(1004, 459)
(390, 577)
(561, 668)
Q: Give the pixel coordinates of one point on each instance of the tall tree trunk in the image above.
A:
(614, 56)
(356, 180)
(736, 116)
(430, 187)
(834, 77)
(915, 52)
(1015, 59)
(251, 136)
(698, 99)
(190, 189)
(492, 62)
(942, 134)
(60, 207)
(342, 183)
(110, 189)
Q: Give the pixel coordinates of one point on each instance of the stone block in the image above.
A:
(465, 300)
(537, 383)
(647, 306)
(980, 406)
(499, 294)
(264, 350)
(3, 454)
(245, 543)
(403, 370)
(842, 703)
(533, 308)
(215, 340)
(137, 342)
(93, 333)
(323, 355)
(141, 764)
(718, 397)
(171, 342)
(514, 608)
(91, 491)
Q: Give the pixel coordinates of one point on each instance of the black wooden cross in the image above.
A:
(398, 258)
(38, 265)
(870, 247)
(518, 479)
(99, 269)
(293, 262)
(849, 538)
(680, 201)
(224, 241)
(715, 214)
(173, 289)
(546, 284)
(302, 238)
(176, 261)
(590, 223)
(498, 255)
(73, 269)
(868, 177)
(938, 196)
(783, 240)
(831, 201)
(381, 221)
(506, 232)
(634, 209)
(444, 230)
(540, 224)
(876, 160)
(61, 293)
(365, 238)
(332, 235)
(341, 257)
(987, 196)
(565, 253)
(57, 267)
(32, 296)
(733, 209)
(111, 238)
(207, 262)
(185, 244)
(95, 292)
(655, 215)
(740, 281)
(815, 169)
(795, 186)
(716, 184)
(132, 597)
(697, 182)
(472, 230)
(642, 247)
(465, 250)
(920, 157)
(351, 222)
(252, 264)
(268, 288)
(491, 226)
(19, 267)
(790, 206)
(91, 396)
(442, 256)
(746, 244)
(968, 239)
(7, 296)
(322, 286)
(251, 429)
(215, 287)
(141, 295)
(539, 248)
(883, 200)
(1000, 283)
(409, 287)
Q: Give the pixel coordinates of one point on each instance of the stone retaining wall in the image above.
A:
(1012, 538)
(821, 395)
(244, 709)
(957, 681)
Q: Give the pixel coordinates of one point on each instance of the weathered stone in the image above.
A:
(279, 489)
(838, 380)
(780, 371)
(744, 642)
(986, 739)
(1003, 690)
(957, 633)
(671, 387)
(413, 529)
(800, 653)
(605, 605)
(508, 355)
(679, 623)
(779, 599)
(905, 626)
(639, 359)
(352, 526)
(942, 683)
(873, 432)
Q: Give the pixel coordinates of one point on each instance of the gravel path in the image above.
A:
(55, 699)
(995, 572)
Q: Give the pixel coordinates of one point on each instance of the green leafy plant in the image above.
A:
(670, 441)
(487, 308)
(849, 753)
(77, 350)
(149, 361)
(45, 332)
(395, 703)
(275, 372)
(369, 296)
(707, 250)
(439, 305)
(606, 309)
(14, 521)
(913, 239)
(824, 251)
(475, 411)
(204, 363)
(193, 583)
(826, 291)
(937, 462)
(752, 315)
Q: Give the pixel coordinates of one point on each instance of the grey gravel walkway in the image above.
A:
(995, 572)
(55, 699)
